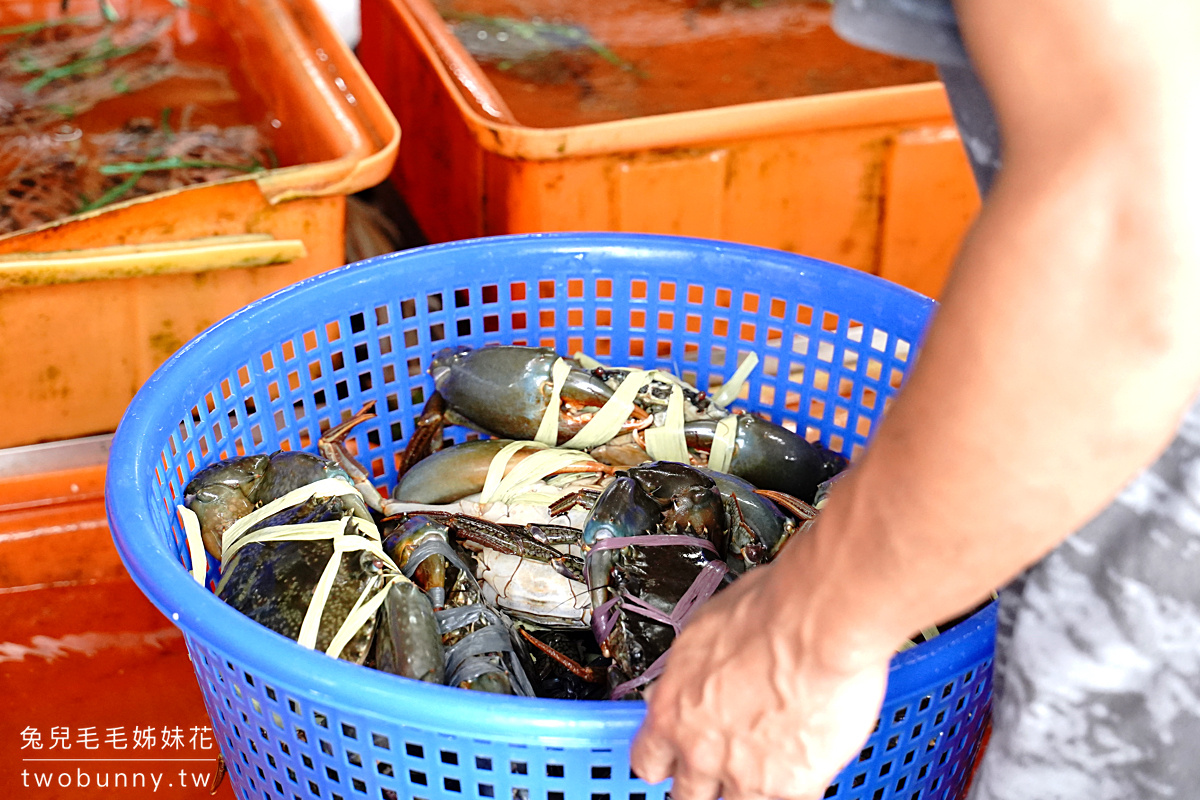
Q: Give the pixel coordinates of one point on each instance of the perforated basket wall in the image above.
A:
(291, 723)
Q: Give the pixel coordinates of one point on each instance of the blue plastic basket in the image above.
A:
(292, 723)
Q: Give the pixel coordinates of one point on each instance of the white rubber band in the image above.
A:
(499, 464)
(360, 614)
(723, 444)
(729, 392)
(326, 487)
(195, 542)
(316, 606)
(586, 361)
(533, 469)
(668, 443)
(345, 543)
(308, 531)
(611, 417)
(547, 432)
(300, 532)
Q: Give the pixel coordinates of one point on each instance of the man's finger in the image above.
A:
(732, 793)
(651, 756)
(690, 786)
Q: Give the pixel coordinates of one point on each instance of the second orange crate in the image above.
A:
(875, 179)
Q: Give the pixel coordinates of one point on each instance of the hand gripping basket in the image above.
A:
(834, 345)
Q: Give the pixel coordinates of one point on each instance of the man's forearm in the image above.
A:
(1065, 352)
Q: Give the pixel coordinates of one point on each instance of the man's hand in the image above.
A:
(1059, 365)
(745, 710)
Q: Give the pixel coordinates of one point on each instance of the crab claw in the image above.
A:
(794, 506)
(332, 446)
(427, 436)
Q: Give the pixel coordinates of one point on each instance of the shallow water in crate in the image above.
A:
(559, 63)
(90, 669)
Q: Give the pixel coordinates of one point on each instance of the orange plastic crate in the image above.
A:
(78, 346)
(84, 650)
(875, 179)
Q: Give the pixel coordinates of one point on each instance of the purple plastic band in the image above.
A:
(640, 606)
(652, 672)
(650, 540)
(702, 588)
(604, 619)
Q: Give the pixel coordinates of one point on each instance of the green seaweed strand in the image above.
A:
(537, 30)
(80, 65)
(41, 25)
(111, 196)
(139, 167)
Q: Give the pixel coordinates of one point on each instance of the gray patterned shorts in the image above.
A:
(1098, 651)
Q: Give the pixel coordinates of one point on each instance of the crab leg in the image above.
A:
(571, 665)
(427, 435)
(754, 552)
(509, 539)
(585, 498)
(332, 446)
(797, 508)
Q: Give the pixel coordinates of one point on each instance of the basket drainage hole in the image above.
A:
(554, 770)
(414, 750)
(483, 763)
(349, 731)
(518, 768)
(486, 790)
(449, 757)
(831, 791)
(389, 794)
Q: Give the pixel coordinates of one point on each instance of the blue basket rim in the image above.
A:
(149, 419)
